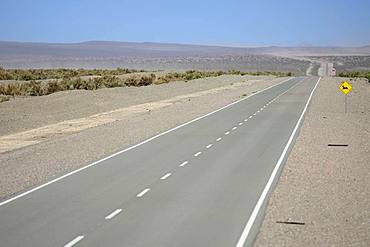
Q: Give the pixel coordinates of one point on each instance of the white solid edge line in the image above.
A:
(197, 154)
(143, 192)
(184, 163)
(260, 201)
(113, 214)
(136, 145)
(166, 176)
(74, 241)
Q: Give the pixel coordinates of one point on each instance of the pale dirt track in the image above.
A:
(326, 188)
(41, 134)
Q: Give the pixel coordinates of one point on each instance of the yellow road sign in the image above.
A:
(345, 87)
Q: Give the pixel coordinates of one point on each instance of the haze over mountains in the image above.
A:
(149, 49)
(108, 54)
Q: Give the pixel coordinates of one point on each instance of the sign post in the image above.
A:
(345, 88)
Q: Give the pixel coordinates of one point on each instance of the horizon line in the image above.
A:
(190, 44)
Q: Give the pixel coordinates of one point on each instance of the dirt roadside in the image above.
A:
(325, 189)
(103, 121)
(25, 113)
(44, 133)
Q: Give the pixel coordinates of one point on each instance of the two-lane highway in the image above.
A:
(203, 183)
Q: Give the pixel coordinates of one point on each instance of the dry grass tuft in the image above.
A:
(39, 88)
(4, 98)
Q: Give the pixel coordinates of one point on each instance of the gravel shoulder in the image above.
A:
(327, 189)
(58, 154)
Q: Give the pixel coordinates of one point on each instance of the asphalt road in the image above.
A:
(202, 184)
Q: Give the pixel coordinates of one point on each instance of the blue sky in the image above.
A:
(231, 22)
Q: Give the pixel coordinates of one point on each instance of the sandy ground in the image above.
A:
(44, 133)
(327, 189)
(31, 112)
(71, 129)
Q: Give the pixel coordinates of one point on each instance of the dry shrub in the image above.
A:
(69, 82)
(138, 81)
(42, 74)
(4, 98)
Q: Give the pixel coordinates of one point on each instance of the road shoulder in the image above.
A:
(323, 195)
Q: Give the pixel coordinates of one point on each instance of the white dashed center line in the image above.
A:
(245, 120)
(240, 123)
(74, 241)
(218, 139)
(143, 192)
(234, 128)
(227, 132)
(166, 176)
(184, 163)
(197, 154)
(254, 114)
(114, 213)
(209, 145)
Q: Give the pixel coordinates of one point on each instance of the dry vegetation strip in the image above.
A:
(355, 74)
(42, 74)
(105, 80)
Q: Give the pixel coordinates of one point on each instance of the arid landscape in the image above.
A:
(185, 123)
(148, 56)
(47, 104)
(178, 57)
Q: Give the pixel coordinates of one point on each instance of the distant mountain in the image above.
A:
(111, 49)
(147, 55)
